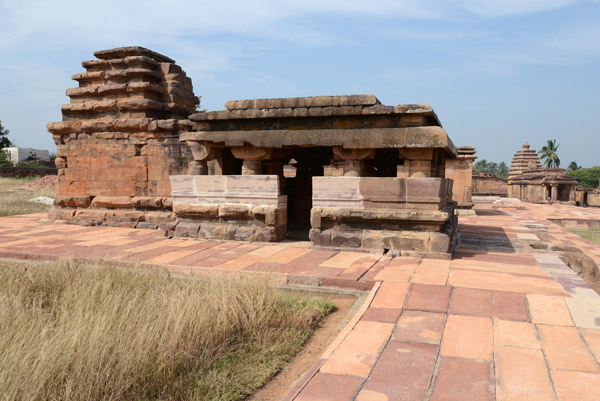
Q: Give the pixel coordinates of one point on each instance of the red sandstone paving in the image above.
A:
(468, 301)
(468, 337)
(511, 284)
(509, 306)
(579, 386)
(403, 372)
(385, 315)
(326, 387)
(422, 327)
(461, 379)
(564, 349)
(522, 375)
(425, 297)
(359, 351)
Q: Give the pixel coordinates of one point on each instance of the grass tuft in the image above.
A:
(15, 199)
(97, 332)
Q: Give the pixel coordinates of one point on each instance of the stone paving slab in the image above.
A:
(497, 321)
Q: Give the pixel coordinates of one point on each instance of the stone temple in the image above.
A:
(528, 181)
(345, 172)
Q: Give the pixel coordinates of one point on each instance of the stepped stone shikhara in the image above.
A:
(528, 181)
(119, 139)
(524, 160)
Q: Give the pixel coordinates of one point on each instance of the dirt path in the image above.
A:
(277, 388)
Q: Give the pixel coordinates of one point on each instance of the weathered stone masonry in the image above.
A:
(119, 139)
(346, 171)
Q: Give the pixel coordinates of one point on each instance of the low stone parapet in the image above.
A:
(410, 216)
(229, 207)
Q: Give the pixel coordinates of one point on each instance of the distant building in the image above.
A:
(16, 155)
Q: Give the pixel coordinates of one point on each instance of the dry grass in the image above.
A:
(14, 199)
(590, 234)
(75, 332)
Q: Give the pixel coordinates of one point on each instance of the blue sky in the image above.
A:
(496, 72)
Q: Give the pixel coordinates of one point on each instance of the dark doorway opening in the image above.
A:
(306, 163)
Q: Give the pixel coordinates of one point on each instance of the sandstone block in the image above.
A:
(187, 229)
(64, 201)
(147, 202)
(315, 218)
(272, 216)
(159, 217)
(320, 238)
(125, 216)
(147, 225)
(204, 211)
(82, 201)
(60, 162)
(132, 124)
(61, 214)
(112, 201)
(244, 233)
(270, 234)
(235, 212)
(91, 215)
(439, 242)
(406, 241)
(65, 127)
(111, 89)
(346, 238)
(372, 239)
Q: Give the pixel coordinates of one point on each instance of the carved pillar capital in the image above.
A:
(251, 153)
(202, 151)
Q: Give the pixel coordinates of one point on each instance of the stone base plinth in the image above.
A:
(406, 216)
(228, 207)
(113, 211)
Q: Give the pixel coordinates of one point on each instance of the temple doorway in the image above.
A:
(305, 164)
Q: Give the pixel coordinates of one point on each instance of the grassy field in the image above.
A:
(96, 332)
(14, 199)
(592, 234)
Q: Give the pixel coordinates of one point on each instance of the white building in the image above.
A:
(16, 155)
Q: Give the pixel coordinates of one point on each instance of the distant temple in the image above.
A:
(528, 181)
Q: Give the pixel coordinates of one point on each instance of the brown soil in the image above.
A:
(277, 388)
(47, 181)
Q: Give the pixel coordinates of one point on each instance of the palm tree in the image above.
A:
(573, 166)
(549, 155)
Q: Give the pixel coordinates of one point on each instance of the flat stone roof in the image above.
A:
(351, 121)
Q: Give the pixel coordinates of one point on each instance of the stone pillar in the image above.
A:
(252, 158)
(275, 167)
(352, 159)
(417, 162)
(572, 195)
(554, 194)
(202, 154)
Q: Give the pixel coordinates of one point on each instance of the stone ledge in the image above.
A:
(122, 52)
(346, 100)
(372, 138)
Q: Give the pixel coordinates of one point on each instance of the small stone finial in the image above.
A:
(526, 146)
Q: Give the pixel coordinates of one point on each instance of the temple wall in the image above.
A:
(461, 171)
(489, 185)
(594, 199)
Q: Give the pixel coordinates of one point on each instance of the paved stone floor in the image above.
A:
(500, 321)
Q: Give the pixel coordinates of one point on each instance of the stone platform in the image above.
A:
(501, 320)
